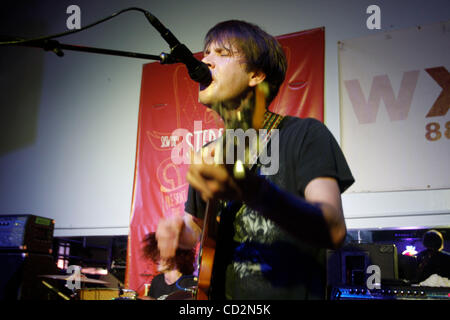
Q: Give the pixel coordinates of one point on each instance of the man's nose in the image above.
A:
(208, 61)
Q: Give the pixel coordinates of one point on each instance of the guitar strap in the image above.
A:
(271, 121)
(227, 213)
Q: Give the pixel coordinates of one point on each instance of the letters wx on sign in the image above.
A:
(398, 107)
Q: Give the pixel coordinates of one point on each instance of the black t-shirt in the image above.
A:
(264, 261)
(159, 289)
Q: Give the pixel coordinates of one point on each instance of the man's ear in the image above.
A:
(256, 77)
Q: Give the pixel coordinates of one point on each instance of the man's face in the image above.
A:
(230, 80)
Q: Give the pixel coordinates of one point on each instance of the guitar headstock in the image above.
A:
(249, 115)
(250, 112)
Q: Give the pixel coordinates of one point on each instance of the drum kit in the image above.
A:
(106, 293)
(89, 293)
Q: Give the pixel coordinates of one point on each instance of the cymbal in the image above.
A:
(71, 277)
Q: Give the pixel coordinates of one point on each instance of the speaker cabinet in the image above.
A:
(19, 276)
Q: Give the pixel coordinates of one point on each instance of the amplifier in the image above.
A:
(348, 265)
(26, 233)
(390, 293)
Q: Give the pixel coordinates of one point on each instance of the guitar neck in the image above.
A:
(251, 115)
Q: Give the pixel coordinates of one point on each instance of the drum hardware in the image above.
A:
(180, 295)
(190, 289)
(52, 288)
(106, 294)
(118, 293)
(183, 293)
(115, 265)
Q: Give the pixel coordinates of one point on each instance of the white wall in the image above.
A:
(68, 125)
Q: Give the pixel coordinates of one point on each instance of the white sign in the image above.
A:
(395, 98)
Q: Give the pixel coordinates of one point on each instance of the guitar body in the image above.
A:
(207, 252)
(205, 273)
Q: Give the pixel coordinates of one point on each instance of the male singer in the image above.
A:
(281, 223)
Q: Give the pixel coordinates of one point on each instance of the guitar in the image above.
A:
(251, 117)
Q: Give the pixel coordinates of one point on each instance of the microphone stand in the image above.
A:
(57, 48)
(197, 70)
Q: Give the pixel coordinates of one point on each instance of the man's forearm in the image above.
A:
(302, 219)
(190, 233)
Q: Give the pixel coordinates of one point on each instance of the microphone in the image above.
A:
(198, 71)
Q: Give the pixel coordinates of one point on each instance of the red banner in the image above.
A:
(169, 101)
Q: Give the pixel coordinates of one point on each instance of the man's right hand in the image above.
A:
(177, 232)
(168, 235)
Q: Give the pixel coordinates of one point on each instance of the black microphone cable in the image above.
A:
(62, 34)
(198, 71)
